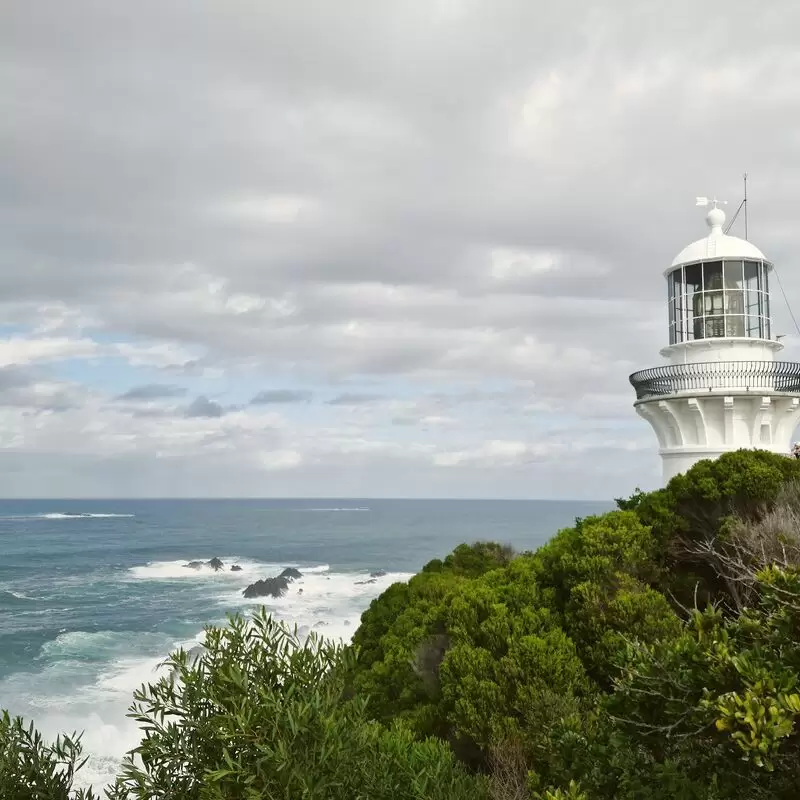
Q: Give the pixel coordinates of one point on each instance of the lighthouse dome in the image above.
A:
(717, 244)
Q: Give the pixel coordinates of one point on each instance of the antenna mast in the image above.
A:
(745, 205)
(742, 207)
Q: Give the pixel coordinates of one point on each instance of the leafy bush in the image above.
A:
(696, 508)
(31, 769)
(260, 714)
(263, 714)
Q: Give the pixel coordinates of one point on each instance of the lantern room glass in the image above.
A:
(713, 299)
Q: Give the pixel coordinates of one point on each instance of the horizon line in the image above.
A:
(300, 498)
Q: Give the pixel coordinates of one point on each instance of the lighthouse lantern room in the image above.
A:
(722, 387)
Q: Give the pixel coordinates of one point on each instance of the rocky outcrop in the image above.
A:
(215, 564)
(272, 587)
(268, 587)
(291, 572)
(236, 568)
(378, 573)
(364, 583)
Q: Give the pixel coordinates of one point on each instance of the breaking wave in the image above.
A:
(85, 679)
(333, 509)
(9, 597)
(59, 515)
(67, 515)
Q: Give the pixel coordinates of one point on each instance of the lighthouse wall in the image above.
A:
(722, 349)
(693, 428)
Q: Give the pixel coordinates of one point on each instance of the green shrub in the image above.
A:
(263, 714)
(697, 507)
(31, 769)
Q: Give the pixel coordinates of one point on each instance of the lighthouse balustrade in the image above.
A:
(716, 376)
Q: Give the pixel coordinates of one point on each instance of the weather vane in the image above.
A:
(705, 201)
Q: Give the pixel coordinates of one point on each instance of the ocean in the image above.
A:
(94, 594)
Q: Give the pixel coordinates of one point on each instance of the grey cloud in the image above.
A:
(203, 407)
(280, 396)
(14, 377)
(151, 413)
(30, 389)
(514, 131)
(153, 391)
(353, 399)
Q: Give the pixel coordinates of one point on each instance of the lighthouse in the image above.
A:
(723, 386)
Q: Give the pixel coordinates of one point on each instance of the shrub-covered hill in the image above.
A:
(649, 653)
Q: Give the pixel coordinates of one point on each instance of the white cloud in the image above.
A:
(495, 453)
(18, 350)
(508, 263)
(275, 209)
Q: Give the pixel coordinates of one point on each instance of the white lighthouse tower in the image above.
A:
(722, 387)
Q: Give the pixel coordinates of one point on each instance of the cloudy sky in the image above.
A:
(397, 248)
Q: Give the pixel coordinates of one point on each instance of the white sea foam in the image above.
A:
(179, 570)
(58, 515)
(65, 515)
(15, 595)
(87, 679)
(332, 509)
(329, 603)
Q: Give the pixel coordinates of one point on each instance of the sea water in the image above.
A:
(94, 594)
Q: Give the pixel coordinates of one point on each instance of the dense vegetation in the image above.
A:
(651, 652)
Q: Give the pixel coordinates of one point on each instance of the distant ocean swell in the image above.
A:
(64, 515)
(86, 678)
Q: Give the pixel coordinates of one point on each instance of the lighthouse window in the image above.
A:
(716, 298)
(733, 274)
(754, 303)
(712, 275)
(715, 327)
(734, 301)
(712, 303)
(693, 282)
(734, 325)
(752, 275)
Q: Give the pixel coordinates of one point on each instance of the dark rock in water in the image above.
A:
(321, 624)
(364, 583)
(378, 573)
(273, 587)
(194, 564)
(236, 568)
(215, 564)
(268, 587)
(347, 622)
(299, 591)
(291, 573)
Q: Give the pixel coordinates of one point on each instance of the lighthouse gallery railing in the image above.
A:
(776, 376)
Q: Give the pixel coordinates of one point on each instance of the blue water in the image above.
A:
(89, 605)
